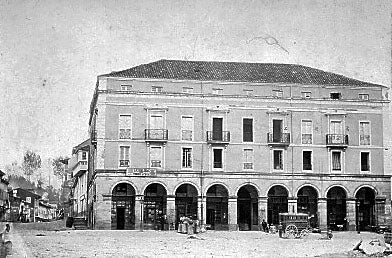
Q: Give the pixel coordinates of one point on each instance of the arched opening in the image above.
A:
(217, 207)
(247, 208)
(365, 200)
(307, 203)
(277, 203)
(186, 202)
(154, 206)
(123, 207)
(336, 208)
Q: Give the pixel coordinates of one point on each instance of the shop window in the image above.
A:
(307, 160)
(247, 127)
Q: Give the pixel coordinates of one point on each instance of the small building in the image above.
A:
(23, 205)
(46, 211)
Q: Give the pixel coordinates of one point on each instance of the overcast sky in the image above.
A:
(51, 52)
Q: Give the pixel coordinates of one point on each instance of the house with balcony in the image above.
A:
(78, 165)
(235, 143)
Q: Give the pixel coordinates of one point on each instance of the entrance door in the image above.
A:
(217, 128)
(120, 217)
(211, 217)
(277, 130)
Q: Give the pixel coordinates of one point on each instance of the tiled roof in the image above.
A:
(237, 72)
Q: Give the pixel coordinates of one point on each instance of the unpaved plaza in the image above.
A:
(35, 240)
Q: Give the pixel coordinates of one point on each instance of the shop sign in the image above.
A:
(141, 172)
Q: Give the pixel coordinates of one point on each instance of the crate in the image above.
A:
(388, 237)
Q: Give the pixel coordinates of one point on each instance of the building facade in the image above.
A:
(4, 200)
(232, 144)
(23, 205)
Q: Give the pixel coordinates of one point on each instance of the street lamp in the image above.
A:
(357, 202)
(141, 213)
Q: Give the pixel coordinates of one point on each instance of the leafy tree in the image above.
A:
(31, 163)
(59, 167)
(13, 169)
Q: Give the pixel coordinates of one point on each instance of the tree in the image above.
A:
(59, 167)
(31, 163)
(13, 169)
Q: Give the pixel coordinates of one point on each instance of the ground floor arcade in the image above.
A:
(238, 203)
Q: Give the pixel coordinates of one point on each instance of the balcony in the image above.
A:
(218, 137)
(80, 167)
(337, 140)
(155, 135)
(282, 139)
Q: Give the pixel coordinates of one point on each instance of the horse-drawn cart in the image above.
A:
(294, 225)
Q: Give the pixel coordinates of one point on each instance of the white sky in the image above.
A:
(51, 52)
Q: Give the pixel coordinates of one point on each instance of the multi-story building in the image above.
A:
(78, 164)
(4, 200)
(235, 143)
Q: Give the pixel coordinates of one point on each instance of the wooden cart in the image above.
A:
(294, 225)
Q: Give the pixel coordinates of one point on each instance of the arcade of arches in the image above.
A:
(155, 209)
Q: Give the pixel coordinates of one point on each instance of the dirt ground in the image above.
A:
(53, 240)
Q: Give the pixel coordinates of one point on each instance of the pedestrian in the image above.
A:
(264, 225)
(280, 228)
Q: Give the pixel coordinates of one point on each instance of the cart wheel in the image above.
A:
(304, 232)
(291, 231)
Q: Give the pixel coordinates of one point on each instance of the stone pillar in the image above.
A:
(322, 213)
(292, 205)
(104, 209)
(202, 209)
(351, 211)
(263, 210)
(171, 209)
(139, 199)
(232, 210)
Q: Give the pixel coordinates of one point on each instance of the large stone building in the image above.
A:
(235, 143)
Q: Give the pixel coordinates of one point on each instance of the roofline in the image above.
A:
(370, 85)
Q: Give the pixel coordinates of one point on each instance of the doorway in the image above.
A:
(120, 211)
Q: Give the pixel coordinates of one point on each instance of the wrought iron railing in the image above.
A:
(337, 139)
(218, 136)
(282, 138)
(156, 134)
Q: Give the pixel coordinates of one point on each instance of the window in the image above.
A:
(84, 155)
(217, 91)
(156, 122)
(156, 89)
(248, 92)
(186, 128)
(364, 96)
(306, 94)
(156, 157)
(28, 199)
(365, 161)
(248, 159)
(364, 133)
(124, 156)
(126, 87)
(335, 95)
(336, 161)
(307, 131)
(278, 159)
(247, 130)
(124, 125)
(187, 90)
(306, 160)
(217, 158)
(186, 158)
(278, 93)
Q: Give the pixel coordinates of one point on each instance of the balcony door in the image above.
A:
(335, 127)
(156, 122)
(217, 128)
(277, 130)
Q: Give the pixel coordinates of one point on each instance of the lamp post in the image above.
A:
(141, 213)
(357, 202)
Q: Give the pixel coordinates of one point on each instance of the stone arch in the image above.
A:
(186, 182)
(217, 183)
(337, 185)
(245, 184)
(307, 202)
(123, 181)
(217, 206)
(123, 205)
(154, 182)
(365, 185)
(155, 205)
(310, 185)
(289, 194)
(247, 207)
(337, 196)
(366, 211)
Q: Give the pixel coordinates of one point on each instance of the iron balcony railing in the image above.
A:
(155, 134)
(218, 136)
(282, 138)
(337, 139)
